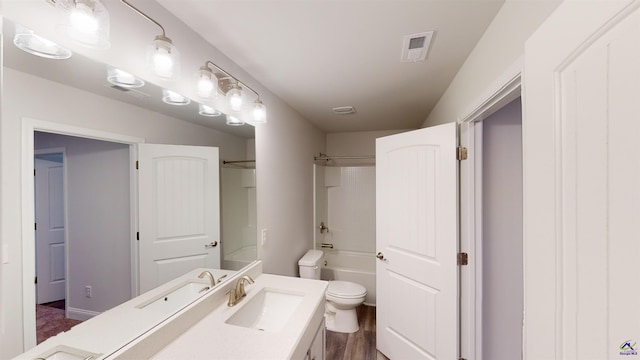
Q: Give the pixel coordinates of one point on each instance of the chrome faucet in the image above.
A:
(235, 295)
(210, 275)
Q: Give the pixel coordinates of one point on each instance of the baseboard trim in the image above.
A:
(80, 314)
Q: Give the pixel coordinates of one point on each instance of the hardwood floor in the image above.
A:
(360, 345)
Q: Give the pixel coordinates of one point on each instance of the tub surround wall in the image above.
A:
(351, 208)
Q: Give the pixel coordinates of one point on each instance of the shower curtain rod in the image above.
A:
(224, 162)
(330, 157)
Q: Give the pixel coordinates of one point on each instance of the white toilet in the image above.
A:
(342, 296)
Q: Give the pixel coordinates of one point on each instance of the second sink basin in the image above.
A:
(269, 310)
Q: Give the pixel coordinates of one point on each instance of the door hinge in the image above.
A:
(463, 259)
(34, 172)
(35, 226)
(462, 358)
(461, 153)
(35, 280)
(138, 236)
(137, 164)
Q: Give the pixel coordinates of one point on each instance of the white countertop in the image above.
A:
(209, 337)
(115, 328)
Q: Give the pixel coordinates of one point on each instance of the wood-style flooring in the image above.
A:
(360, 345)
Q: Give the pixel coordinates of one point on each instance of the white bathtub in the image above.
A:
(239, 258)
(358, 267)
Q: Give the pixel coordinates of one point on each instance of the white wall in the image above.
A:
(98, 198)
(500, 47)
(356, 143)
(502, 268)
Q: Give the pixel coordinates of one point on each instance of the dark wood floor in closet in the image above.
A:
(360, 345)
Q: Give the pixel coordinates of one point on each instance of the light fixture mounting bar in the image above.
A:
(225, 85)
(144, 16)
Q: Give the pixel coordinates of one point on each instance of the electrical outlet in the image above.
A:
(265, 236)
(87, 291)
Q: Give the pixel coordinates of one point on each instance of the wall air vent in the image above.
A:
(416, 46)
(344, 110)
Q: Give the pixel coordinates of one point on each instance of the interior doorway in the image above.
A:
(87, 306)
(502, 240)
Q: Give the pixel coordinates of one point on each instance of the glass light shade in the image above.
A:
(207, 83)
(234, 121)
(235, 98)
(163, 58)
(205, 110)
(173, 98)
(86, 21)
(122, 78)
(259, 112)
(26, 40)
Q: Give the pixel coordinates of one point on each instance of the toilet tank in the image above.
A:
(311, 264)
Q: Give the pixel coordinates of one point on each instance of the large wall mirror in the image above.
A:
(23, 73)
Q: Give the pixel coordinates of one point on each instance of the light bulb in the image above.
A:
(206, 85)
(163, 58)
(83, 20)
(235, 98)
(259, 112)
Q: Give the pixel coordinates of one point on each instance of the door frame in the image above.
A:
(504, 89)
(62, 151)
(29, 127)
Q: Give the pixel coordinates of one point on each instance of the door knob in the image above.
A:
(380, 256)
(212, 244)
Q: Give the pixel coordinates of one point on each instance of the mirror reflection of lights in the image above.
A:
(26, 40)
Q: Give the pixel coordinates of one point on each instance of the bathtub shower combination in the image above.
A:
(345, 220)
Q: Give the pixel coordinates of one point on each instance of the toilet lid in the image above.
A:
(346, 289)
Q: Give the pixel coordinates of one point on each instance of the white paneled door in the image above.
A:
(50, 231)
(581, 176)
(417, 244)
(179, 216)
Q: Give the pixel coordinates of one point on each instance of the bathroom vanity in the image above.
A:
(279, 318)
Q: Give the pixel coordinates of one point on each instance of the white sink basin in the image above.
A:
(175, 298)
(269, 310)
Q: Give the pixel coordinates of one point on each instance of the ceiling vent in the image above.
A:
(344, 110)
(416, 46)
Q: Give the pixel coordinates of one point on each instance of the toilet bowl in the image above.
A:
(342, 297)
(340, 309)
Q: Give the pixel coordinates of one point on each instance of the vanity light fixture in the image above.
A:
(162, 56)
(230, 86)
(206, 110)
(207, 87)
(235, 97)
(85, 21)
(122, 78)
(234, 121)
(173, 98)
(25, 39)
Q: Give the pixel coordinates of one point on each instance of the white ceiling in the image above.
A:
(320, 54)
